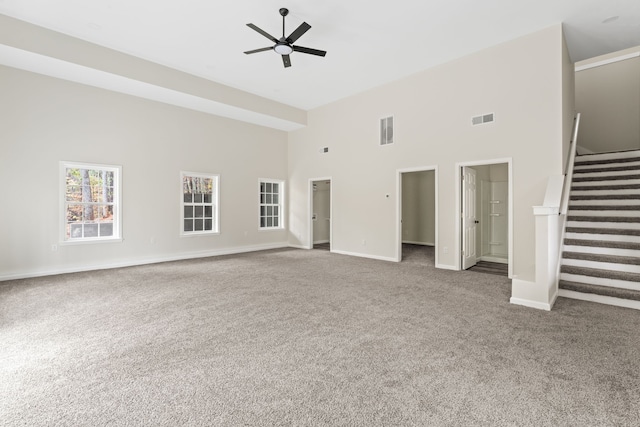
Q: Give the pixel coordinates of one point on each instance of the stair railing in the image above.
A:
(568, 169)
(564, 198)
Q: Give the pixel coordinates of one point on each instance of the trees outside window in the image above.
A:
(199, 203)
(91, 202)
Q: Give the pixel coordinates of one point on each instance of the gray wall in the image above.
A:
(608, 98)
(521, 81)
(47, 120)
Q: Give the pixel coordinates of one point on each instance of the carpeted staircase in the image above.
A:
(601, 251)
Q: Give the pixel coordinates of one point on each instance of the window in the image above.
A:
(271, 201)
(91, 202)
(199, 203)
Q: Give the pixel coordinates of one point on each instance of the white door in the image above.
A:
(469, 218)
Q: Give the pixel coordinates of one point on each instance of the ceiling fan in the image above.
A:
(284, 46)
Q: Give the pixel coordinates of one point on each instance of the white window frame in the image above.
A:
(117, 203)
(280, 204)
(215, 204)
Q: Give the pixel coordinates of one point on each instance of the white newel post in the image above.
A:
(543, 290)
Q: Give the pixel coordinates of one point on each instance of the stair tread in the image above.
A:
(589, 218)
(605, 187)
(604, 207)
(581, 161)
(592, 230)
(607, 169)
(602, 244)
(601, 273)
(605, 178)
(610, 291)
(614, 259)
(575, 197)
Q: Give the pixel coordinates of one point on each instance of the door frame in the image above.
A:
(310, 211)
(399, 172)
(458, 235)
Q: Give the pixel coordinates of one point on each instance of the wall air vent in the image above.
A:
(484, 118)
(386, 131)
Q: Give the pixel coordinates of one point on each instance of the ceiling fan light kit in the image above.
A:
(284, 46)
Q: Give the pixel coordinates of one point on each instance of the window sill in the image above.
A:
(200, 234)
(90, 241)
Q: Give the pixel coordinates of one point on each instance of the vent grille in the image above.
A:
(386, 131)
(483, 118)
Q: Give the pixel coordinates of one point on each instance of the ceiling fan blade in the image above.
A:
(262, 49)
(309, 50)
(264, 33)
(286, 61)
(303, 28)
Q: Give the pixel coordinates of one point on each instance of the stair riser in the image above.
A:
(604, 213)
(596, 183)
(627, 268)
(627, 192)
(604, 237)
(622, 167)
(608, 156)
(603, 167)
(605, 175)
(618, 302)
(622, 284)
(602, 251)
(606, 225)
(614, 202)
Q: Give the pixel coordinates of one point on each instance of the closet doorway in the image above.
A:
(417, 213)
(320, 214)
(486, 211)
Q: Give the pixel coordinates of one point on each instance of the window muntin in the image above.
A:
(271, 201)
(199, 203)
(91, 202)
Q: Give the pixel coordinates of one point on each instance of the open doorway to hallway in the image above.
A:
(320, 214)
(486, 211)
(417, 207)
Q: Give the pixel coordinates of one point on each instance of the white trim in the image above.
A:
(530, 303)
(145, 261)
(601, 299)
(319, 242)
(409, 242)
(608, 61)
(361, 255)
(215, 203)
(491, 258)
(117, 203)
(447, 267)
(399, 172)
(281, 205)
(310, 210)
(458, 235)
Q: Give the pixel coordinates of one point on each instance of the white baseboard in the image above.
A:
(143, 261)
(319, 242)
(490, 258)
(447, 267)
(602, 299)
(360, 255)
(298, 246)
(529, 303)
(409, 242)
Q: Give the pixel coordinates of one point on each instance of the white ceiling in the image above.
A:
(369, 42)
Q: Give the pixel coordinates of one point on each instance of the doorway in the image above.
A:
(320, 214)
(417, 213)
(485, 229)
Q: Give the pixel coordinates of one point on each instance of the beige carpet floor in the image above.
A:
(303, 338)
